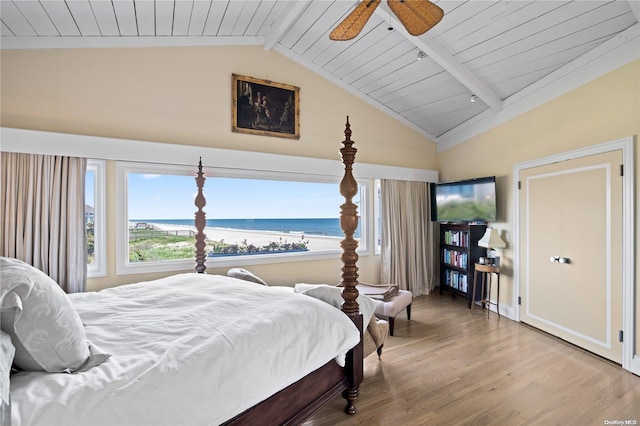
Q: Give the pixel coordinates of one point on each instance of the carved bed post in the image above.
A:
(349, 223)
(200, 222)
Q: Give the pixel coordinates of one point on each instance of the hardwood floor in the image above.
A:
(453, 366)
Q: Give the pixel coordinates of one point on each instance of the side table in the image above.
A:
(486, 271)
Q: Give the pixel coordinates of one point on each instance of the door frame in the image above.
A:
(630, 361)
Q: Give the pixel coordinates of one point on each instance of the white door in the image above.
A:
(571, 251)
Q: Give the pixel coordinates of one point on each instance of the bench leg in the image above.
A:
(392, 320)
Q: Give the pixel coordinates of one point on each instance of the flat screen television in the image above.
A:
(464, 201)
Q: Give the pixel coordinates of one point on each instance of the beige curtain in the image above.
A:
(42, 216)
(407, 255)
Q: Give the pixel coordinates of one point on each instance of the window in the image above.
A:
(377, 217)
(95, 218)
(252, 217)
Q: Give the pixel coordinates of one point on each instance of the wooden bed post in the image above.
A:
(200, 222)
(349, 223)
(295, 403)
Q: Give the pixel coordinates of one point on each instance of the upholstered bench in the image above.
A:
(392, 306)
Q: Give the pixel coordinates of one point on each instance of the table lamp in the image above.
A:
(491, 240)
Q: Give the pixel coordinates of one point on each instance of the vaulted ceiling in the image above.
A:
(497, 52)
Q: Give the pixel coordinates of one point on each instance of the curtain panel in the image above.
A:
(43, 215)
(408, 235)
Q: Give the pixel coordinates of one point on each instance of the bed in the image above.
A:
(147, 354)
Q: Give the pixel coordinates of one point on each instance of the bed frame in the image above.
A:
(300, 400)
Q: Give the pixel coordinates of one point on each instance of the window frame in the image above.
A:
(99, 267)
(377, 217)
(124, 267)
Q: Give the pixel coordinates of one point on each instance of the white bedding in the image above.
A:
(189, 349)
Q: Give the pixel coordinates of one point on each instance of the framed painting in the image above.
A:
(262, 107)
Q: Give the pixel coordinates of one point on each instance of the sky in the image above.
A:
(89, 185)
(172, 197)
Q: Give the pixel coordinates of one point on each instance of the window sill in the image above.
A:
(230, 261)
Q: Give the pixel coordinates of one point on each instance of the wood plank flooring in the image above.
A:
(452, 366)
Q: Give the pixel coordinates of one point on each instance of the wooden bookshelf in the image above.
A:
(459, 252)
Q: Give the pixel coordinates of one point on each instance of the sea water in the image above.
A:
(320, 226)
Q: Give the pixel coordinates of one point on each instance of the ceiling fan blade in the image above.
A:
(351, 26)
(417, 16)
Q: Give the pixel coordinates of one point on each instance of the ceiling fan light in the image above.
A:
(351, 26)
(417, 16)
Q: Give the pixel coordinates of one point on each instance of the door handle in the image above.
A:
(558, 259)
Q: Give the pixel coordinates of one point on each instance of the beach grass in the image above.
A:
(152, 245)
(148, 245)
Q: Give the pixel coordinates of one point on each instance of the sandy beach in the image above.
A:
(257, 238)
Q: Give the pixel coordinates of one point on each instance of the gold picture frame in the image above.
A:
(262, 107)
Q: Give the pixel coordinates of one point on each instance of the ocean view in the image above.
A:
(325, 226)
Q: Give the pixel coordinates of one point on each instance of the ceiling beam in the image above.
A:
(355, 92)
(635, 8)
(282, 24)
(452, 65)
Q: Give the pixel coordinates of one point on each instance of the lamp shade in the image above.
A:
(491, 239)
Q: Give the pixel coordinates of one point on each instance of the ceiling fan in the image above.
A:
(417, 16)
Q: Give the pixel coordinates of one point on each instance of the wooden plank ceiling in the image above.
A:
(491, 50)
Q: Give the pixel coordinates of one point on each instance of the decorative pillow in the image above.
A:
(243, 274)
(6, 359)
(44, 327)
(333, 296)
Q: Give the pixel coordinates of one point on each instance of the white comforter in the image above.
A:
(189, 349)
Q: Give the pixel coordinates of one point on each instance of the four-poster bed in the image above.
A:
(198, 348)
(301, 399)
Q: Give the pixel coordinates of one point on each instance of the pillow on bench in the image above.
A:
(243, 274)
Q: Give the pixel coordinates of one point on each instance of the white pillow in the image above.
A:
(243, 274)
(44, 327)
(333, 296)
(6, 360)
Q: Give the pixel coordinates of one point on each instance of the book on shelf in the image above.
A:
(455, 258)
(456, 238)
(457, 280)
